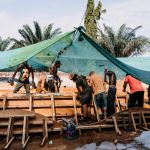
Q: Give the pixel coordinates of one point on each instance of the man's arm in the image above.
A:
(124, 86)
(80, 90)
(18, 69)
(105, 76)
(12, 79)
(43, 84)
(32, 74)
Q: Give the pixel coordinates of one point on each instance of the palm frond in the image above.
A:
(47, 31)
(38, 32)
(30, 33)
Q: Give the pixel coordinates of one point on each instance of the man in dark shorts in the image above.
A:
(23, 80)
(53, 71)
(111, 96)
(85, 94)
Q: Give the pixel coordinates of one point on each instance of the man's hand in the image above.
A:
(124, 90)
(11, 82)
(105, 71)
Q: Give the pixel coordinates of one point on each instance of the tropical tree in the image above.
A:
(124, 42)
(4, 44)
(92, 16)
(30, 37)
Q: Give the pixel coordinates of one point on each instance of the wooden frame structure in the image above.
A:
(47, 108)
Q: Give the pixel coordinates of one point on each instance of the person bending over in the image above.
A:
(136, 98)
(85, 94)
(98, 86)
(41, 85)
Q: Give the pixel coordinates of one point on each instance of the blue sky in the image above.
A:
(68, 14)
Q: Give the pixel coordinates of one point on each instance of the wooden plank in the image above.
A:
(4, 101)
(133, 121)
(53, 108)
(95, 107)
(144, 120)
(75, 109)
(10, 129)
(9, 142)
(116, 125)
(25, 136)
(45, 131)
(30, 102)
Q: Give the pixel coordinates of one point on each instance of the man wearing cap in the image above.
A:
(51, 84)
(53, 71)
(85, 94)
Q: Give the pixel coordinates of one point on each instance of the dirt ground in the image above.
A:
(57, 142)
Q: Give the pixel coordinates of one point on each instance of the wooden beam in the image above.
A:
(4, 101)
(116, 125)
(25, 136)
(45, 131)
(53, 108)
(133, 121)
(30, 102)
(95, 107)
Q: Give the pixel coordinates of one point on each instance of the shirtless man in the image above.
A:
(111, 97)
(53, 71)
(98, 86)
(41, 84)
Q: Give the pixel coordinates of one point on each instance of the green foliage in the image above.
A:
(91, 17)
(4, 44)
(124, 42)
(31, 37)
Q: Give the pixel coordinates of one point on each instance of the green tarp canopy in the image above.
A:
(78, 54)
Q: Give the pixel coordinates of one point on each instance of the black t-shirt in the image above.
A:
(82, 82)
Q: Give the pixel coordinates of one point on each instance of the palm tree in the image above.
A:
(124, 42)
(30, 37)
(4, 44)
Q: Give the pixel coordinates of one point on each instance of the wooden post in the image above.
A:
(116, 125)
(144, 121)
(25, 137)
(133, 121)
(75, 112)
(30, 102)
(4, 102)
(9, 137)
(75, 109)
(95, 107)
(53, 108)
(45, 131)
